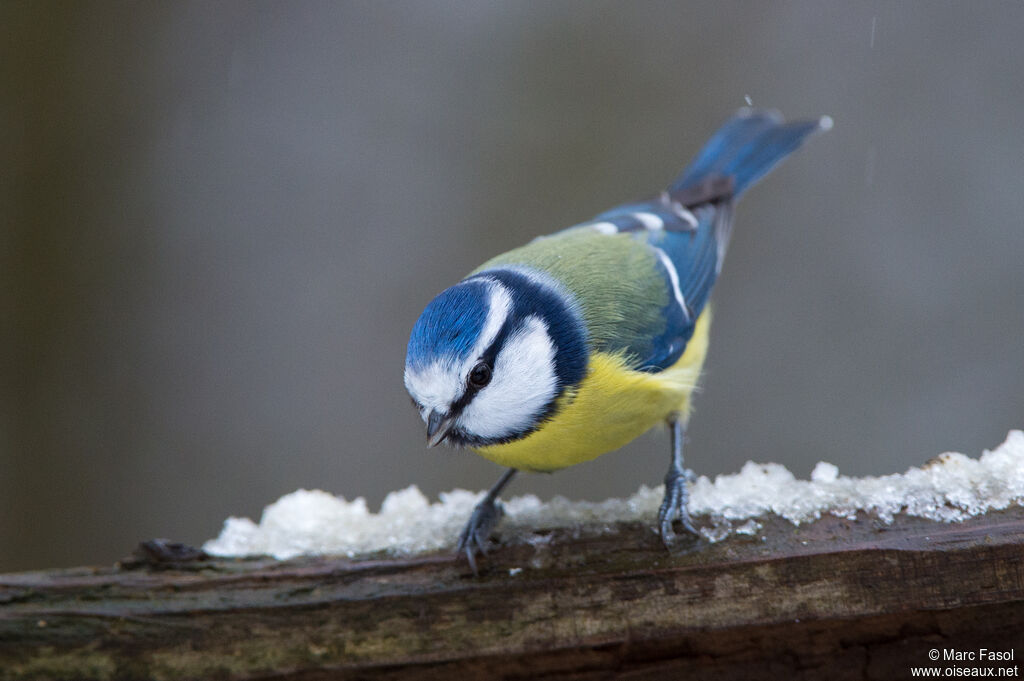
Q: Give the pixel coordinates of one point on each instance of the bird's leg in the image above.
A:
(483, 519)
(677, 495)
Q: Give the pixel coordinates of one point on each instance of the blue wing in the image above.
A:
(689, 225)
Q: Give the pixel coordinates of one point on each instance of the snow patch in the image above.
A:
(950, 488)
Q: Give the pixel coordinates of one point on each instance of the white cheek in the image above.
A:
(523, 384)
(434, 387)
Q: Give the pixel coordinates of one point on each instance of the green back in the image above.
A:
(614, 278)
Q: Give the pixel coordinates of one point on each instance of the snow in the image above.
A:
(950, 488)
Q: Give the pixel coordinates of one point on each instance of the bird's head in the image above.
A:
(489, 357)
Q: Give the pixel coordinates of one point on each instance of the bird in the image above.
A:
(571, 346)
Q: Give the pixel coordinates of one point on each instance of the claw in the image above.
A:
(477, 531)
(673, 506)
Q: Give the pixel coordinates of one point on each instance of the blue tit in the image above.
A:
(554, 353)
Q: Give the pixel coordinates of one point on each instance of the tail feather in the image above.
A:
(744, 149)
(688, 227)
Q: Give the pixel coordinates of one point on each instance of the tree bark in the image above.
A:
(836, 599)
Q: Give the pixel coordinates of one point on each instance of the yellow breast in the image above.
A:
(612, 405)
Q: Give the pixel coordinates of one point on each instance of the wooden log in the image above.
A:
(834, 599)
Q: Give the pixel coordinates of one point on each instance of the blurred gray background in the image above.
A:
(220, 222)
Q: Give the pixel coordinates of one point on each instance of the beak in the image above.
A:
(437, 427)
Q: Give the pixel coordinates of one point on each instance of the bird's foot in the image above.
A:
(673, 506)
(477, 532)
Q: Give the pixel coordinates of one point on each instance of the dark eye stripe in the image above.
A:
(564, 325)
(488, 358)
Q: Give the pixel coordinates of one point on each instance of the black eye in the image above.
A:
(480, 375)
